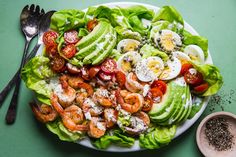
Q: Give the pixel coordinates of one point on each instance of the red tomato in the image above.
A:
(93, 71)
(193, 77)
(91, 24)
(148, 102)
(156, 94)
(120, 78)
(201, 88)
(104, 76)
(109, 66)
(185, 67)
(71, 37)
(49, 38)
(72, 69)
(51, 50)
(58, 64)
(69, 51)
(159, 84)
(85, 73)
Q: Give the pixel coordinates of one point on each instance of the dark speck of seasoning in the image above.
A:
(221, 100)
(218, 134)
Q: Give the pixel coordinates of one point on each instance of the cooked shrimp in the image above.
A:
(110, 116)
(66, 96)
(139, 123)
(44, 113)
(97, 127)
(132, 102)
(91, 109)
(102, 96)
(72, 117)
(80, 97)
(63, 80)
(74, 81)
(133, 84)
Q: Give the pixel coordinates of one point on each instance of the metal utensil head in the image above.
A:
(29, 20)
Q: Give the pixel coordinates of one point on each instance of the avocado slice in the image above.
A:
(108, 50)
(94, 35)
(189, 101)
(178, 110)
(91, 57)
(172, 108)
(159, 108)
(186, 106)
(83, 52)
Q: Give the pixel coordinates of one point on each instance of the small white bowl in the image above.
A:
(202, 142)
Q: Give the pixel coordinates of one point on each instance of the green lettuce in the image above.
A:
(168, 13)
(211, 75)
(157, 137)
(117, 138)
(196, 40)
(148, 51)
(35, 74)
(64, 134)
(124, 33)
(115, 54)
(64, 20)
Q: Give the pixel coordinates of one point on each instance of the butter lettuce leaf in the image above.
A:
(117, 137)
(168, 13)
(196, 40)
(35, 74)
(157, 137)
(148, 51)
(211, 75)
(64, 134)
(64, 20)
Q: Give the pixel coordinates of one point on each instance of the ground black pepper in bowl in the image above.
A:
(218, 134)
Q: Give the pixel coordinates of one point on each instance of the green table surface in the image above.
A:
(214, 19)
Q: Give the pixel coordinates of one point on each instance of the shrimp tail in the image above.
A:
(56, 105)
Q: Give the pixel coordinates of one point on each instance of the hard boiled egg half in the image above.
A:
(172, 69)
(128, 61)
(168, 40)
(195, 53)
(149, 69)
(127, 45)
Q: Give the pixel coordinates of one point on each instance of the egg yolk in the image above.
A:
(167, 42)
(154, 66)
(131, 46)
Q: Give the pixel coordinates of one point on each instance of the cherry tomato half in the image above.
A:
(69, 51)
(148, 102)
(185, 67)
(49, 38)
(93, 71)
(193, 77)
(156, 94)
(91, 24)
(58, 63)
(51, 50)
(120, 78)
(201, 88)
(104, 76)
(159, 84)
(109, 66)
(71, 37)
(72, 68)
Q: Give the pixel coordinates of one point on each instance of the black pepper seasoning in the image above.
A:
(218, 134)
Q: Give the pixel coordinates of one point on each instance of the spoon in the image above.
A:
(29, 20)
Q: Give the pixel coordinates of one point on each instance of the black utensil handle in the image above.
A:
(12, 109)
(12, 82)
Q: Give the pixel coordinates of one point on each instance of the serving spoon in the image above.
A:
(29, 20)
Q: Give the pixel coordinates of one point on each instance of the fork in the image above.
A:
(29, 20)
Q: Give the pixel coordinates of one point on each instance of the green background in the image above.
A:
(214, 19)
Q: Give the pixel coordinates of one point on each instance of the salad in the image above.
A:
(119, 75)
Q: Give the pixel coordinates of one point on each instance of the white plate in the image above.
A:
(182, 128)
